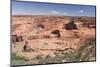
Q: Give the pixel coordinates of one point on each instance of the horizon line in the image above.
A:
(50, 15)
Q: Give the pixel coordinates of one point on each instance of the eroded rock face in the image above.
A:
(70, 26)
(89, 25)
(16, 38)
(56, 33)
(26, 48)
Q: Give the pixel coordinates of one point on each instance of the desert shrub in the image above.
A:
(44, 60)
(86, 52)
(17, 57)
(49, 59)
(18, 60)
(37, 58)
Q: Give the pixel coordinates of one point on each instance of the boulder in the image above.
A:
(70, 26)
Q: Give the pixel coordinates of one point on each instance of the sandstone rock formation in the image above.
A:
(47, 35)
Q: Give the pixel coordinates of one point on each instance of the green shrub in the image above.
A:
(18, 60)
(17, 57)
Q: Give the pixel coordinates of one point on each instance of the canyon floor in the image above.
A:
(52, 39)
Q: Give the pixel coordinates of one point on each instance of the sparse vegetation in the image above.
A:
(18, 60)
(85, 53)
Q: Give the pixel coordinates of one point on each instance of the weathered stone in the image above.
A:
(70, 26)
(56, 33)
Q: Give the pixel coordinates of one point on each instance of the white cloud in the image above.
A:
(81, 11)
(55, 12)
(59, 13)
(65, 13)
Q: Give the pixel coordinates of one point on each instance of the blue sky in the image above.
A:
(35, 8)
